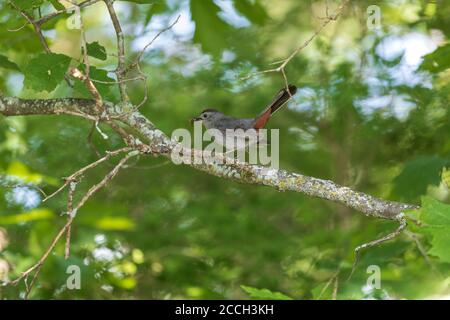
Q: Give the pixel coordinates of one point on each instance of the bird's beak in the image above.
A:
(195, 119)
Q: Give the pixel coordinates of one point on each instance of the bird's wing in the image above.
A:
(233, 123)
(281, 98)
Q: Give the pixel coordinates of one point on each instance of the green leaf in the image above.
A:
(252, 10)
(438, 60)
(19, 170)
(264, 294)
(417, 175)
(7, 64)
(112, 223)
(96, 50)
(28, 4)
(127, 283)
(156, 8)
(435, 213)
(46, 71)
(57, 5)
(210, 30)
(33, 215)
(436, 218)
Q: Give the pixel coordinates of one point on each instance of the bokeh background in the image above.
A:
(371, 113)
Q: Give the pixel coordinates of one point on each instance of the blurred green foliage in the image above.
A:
(370, 114)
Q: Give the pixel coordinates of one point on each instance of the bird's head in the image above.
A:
(207, 115)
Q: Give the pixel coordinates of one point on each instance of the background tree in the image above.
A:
(371, 114)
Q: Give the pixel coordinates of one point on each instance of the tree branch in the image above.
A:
(36, 268)
(16, 107)
(160, 144)
(50, 16)
(120, 71)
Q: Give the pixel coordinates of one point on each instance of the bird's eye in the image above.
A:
(204, 116)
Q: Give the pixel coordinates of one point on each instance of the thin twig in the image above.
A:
(23, 185)
(324, 289)
(78, 173)
(86, 79)
(90, 142)
(127, 138)
(36, 267)
(50, 16)
(141, 53)
(72, 187)
(120, 71)
(422, 250)
(80, 114)
(77, 74)
(136, 63)
(402, 226)
(283, 63)
(105, 180)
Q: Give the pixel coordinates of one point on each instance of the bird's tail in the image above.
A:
(280, 99)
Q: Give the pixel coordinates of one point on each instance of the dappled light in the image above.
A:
(92, 91)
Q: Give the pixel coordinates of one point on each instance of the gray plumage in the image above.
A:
(214, 119)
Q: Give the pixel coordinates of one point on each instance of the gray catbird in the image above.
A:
(213, 119)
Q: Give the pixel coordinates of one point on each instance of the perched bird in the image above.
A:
(224, 124)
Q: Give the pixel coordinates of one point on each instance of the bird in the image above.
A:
(228, 126)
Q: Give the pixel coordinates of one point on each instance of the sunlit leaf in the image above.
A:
(20, 170)
(114, 223)
(138, 256)
(33, 215)
(194, 292)
(436, 218)
(128, 267)
(45, 71)
(127, 283)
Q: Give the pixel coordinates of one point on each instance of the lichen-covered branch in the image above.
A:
(287, 181)
(159, 143)
(16, 107)
(279, 179)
